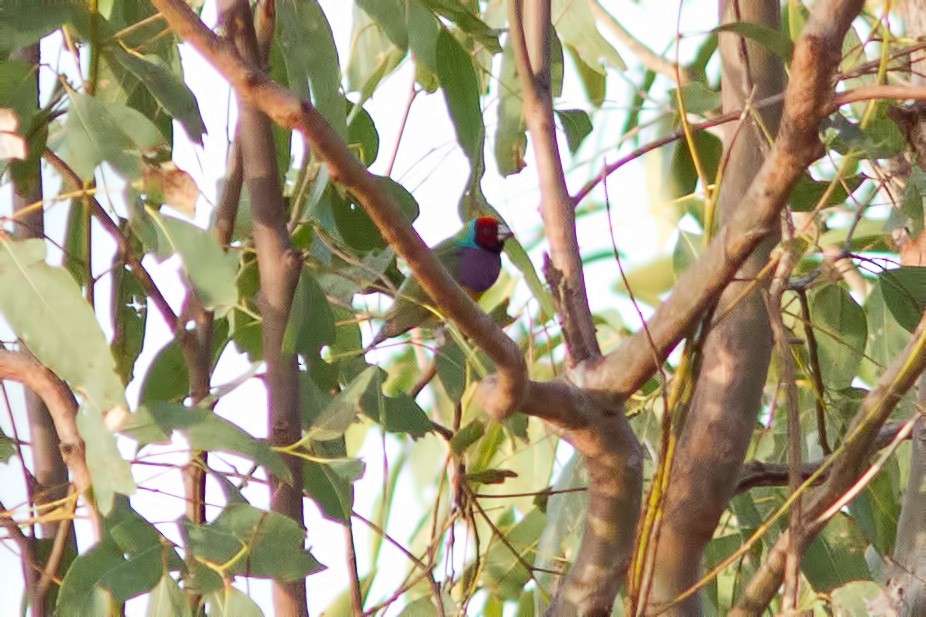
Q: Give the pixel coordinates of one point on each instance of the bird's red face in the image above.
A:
(490, 234)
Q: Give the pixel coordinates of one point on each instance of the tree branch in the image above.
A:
(530, 28)
(808, 99)
(62, 406)
(501, 396)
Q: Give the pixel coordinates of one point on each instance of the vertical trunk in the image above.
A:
(51, 475)
(908, 579)
(736, 352)
(279, 267)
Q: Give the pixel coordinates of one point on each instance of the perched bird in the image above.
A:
(473, 259)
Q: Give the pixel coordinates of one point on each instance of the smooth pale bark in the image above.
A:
(728, 395)
(908, 577)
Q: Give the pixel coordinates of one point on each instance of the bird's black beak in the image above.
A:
(504, 233)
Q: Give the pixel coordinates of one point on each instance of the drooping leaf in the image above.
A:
(231, 602)
(81, 593)
(808, 193)
(504, 572)
(396, 414)
(904, 291)
(773, 40)
(24, 24)
(841, 331)
(836, 556)
(51, 316)
(311, 322)
(594, 81)
(129, 315)
(168, 600)
(576, 125)
(510, 134)
(111, 132)
(333, 420)
(206, 430)
(468, 21)
(461, 93)
(109, 472)
(330, 485)
(165, 86)
(696, 97)
(311, 68)
(886, 337)
(577, 28)
(390, 15)
(211, 271)
(373, 55)
(249, 541)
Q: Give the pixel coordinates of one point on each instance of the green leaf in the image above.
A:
(467, 21)
(595, 82)
(81, 593)
(450, 364)
(340, 413)
(697, 98)
(578, 29)
(7, 448)
(330, 485)
(467, 436)
(51, 316)
(231, 602)
(111, 132)
(129, 314)
(682, 174)
(373, 55)
(248, 541)
(877, 509)
(423, 30)
(398, 414)
(206, 430)
(461, 93)
(886, 337)
(166, 379)
(504, 573)
(510, 135)
(165, 86)
(774, 41)
(808, 193)
(311, 322)
(836, 556)
(687, 249)
(109, 472)
(491, 476)
(25, 23)
(914, 204)
(362, 136)
(879, 139)
(211, 270)
(390, 15)
(841, 330)
(311, 68)
(904, 291)
(576, 125)
(168, 600)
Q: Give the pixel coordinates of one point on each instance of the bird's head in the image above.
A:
(489, 233)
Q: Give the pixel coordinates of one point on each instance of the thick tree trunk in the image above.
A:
(736, 352)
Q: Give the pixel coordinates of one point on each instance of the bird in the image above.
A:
(472, 256)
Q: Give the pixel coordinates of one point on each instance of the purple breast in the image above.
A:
(478, 268)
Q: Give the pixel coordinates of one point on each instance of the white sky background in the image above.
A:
(432, 166)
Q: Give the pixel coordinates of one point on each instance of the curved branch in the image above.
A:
(287, 110)
(808, 99)
(61, 405)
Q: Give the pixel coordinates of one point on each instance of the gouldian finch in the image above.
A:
(473, 259)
